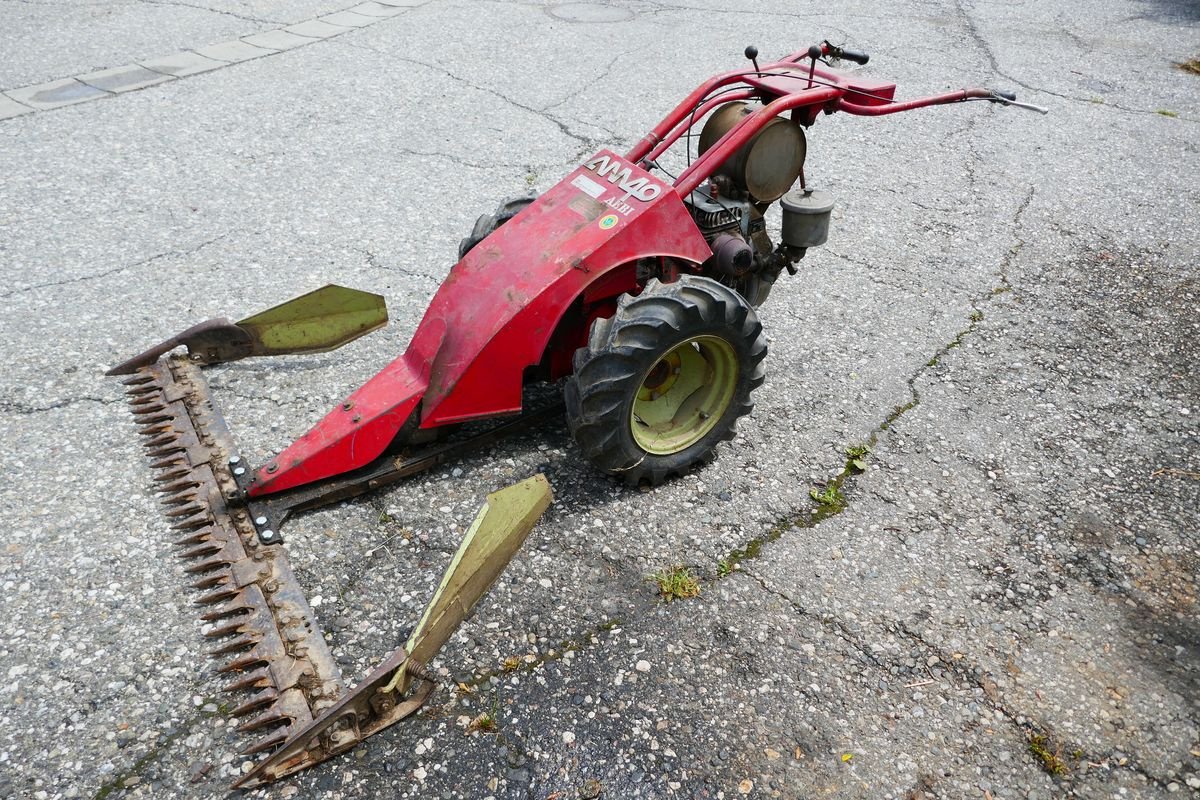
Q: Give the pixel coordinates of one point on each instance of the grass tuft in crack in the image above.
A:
(486, 721)
(856, 457)
(676, 583)
(1048, 754)
(829, 497)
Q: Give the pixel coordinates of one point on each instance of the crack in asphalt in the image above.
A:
(181, 4)
(666, 8)
(177, 3)
(14, 407)
(124, 268)
(968, 673)
(593, 81)
(373, 261)
(989, 53)
(458, 160)
(587, 144)
(155, 753)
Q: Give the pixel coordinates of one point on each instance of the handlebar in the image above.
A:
(846, 55)
(1010, 99)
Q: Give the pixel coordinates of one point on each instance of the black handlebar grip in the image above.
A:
(1009, 96)
(853, 55)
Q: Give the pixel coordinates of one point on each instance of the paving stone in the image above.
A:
(316, 29)
(183, 63)
(124, 79)
(10, 108)
(56, 94)
(349, 19)
(234, 51)
(279, 40)
(377, 10)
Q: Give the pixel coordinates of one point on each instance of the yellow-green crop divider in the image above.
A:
(321, 320)
(382, 698)
(494, 537)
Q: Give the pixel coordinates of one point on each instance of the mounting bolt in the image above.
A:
(239, 471)
(346, 406)
(260, 520)
(272, 467)
(267, 535)
(235, 460)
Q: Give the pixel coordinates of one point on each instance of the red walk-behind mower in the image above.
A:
(637, 292)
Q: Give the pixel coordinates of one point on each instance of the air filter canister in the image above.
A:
(806, 217)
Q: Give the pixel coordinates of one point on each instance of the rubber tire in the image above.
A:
(487, 224)
(622, 349)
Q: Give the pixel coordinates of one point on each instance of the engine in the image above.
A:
(729, 209)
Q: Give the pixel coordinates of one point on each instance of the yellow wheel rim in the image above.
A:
(684, 394)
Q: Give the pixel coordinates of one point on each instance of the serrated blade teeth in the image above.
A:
(191, 523)
(172, 461)
(264, 720)
(174, 473)
(258, 679)
(257, 624)
(269, 743)
(206, 566)
(170, 501)
(256, 702)
(153, 397)
(182, 483)
(243, 642)
(190, 509)
(209, 581)
(224, 612)
(218, 596)
(162, 440)
(194, 538)
(228, 629)
(240, 664)
(206, 549)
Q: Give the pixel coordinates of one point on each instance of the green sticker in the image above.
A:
(607, 222)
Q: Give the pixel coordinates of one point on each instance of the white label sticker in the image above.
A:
(588, 186)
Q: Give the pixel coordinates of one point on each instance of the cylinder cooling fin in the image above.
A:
(768, 164)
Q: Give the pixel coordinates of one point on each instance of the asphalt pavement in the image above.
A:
(1001, 602)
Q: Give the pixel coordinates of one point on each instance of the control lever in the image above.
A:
(752, 54)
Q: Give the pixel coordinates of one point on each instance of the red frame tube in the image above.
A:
(831, 97)
(684, 109)
(908, 105)
(690, 121)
